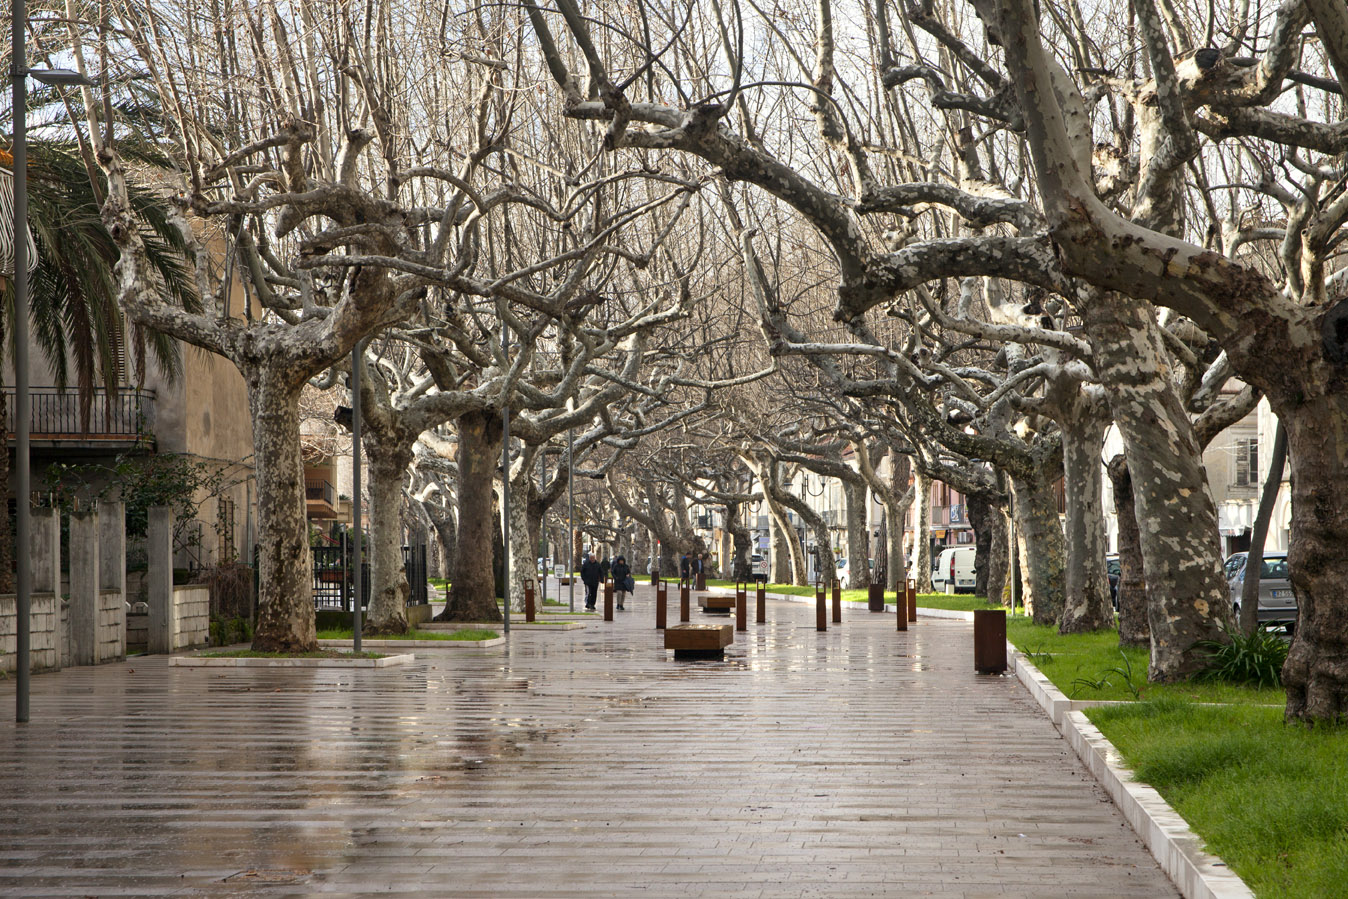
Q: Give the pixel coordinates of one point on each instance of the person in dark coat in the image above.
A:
(604, 568)
(620, 571)
(685, 568)
(590, 576)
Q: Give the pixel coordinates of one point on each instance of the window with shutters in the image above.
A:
(1247, 462)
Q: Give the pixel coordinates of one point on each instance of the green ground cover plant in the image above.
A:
(1267, 797)
(466, 634)
(1086, 666)
(960, 602)
(316, 654)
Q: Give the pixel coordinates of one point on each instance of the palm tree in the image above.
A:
(74, 317)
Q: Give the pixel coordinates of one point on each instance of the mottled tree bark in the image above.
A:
(388, 576)
(921, 572)
(1086, 603)
(740, 568)
(1041, 548)
(285, 599)
(1187, 596)
(446, 536)
(472, 594)
(1134, 629)
(992, 560)
(1316, 673)
(858, 536)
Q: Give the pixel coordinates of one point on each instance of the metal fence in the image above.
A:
(333, 576)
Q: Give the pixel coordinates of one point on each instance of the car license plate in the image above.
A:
(1281, 594)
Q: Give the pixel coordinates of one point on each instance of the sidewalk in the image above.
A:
(857, 762)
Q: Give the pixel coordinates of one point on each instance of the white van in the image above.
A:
(954, 570)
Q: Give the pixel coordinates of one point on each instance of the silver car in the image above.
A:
(1277, 601)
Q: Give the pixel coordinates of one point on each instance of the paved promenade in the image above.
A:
(858, 762)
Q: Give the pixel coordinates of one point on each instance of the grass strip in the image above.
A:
(316, 654)
(1265, 796)
(1093, 666)
(466, 634)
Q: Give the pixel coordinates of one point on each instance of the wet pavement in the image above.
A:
(857, 762)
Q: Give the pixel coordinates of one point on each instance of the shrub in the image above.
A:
(1245, 659)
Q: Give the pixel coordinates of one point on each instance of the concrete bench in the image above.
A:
(714, 604)
(699, 641)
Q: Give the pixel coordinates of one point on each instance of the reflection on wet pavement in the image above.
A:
(854, 762)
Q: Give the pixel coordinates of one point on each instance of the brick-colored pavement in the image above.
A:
(860, 762)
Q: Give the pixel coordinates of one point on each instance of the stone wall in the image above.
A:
(137, 631)
(191, 616)
(45, 643)
(111, 626)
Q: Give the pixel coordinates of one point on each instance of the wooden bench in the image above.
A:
(713, 604)
(699, 641)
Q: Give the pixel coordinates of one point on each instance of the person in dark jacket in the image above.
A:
(620, 571)
(685, 568)
(590, 576)
(604, 568)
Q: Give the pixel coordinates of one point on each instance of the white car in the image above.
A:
(844, 572)
(954, 570)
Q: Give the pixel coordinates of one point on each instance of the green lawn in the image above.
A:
(316, 654)
(466, 634)
(1270, 799)
(1091, 666)
(958, 602)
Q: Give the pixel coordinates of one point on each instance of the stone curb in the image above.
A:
(1197, 874)
(412, 644)
(203, 662)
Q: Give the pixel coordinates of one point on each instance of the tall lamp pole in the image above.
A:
(357, 554)
(505, 478)
(23, 605)
(570, 522)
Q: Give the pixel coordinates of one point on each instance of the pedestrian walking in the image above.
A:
(622, 580)
(685, 568)
(604, 568)
(590, 576)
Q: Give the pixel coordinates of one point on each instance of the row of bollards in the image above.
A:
(989, 625)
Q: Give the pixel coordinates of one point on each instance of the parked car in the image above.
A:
(844, 572)
(1277, 599)
(954, 570)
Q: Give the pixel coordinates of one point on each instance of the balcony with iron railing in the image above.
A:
(62, 418)
(320, 498)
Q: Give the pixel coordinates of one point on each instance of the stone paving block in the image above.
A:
(850, 763)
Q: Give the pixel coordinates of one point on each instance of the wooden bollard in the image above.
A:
(608, 599)
(901, 605)
(683, 602)
(741, 606)
(912, 601)
(701, 580)
(661, 603)
(762, 597)
(820, 609)
(529, 599)
(837, 603)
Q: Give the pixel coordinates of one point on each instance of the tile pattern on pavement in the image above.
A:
(857, 762)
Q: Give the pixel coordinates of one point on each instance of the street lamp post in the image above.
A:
(23, 605)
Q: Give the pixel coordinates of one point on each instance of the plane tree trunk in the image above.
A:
(472, 593)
